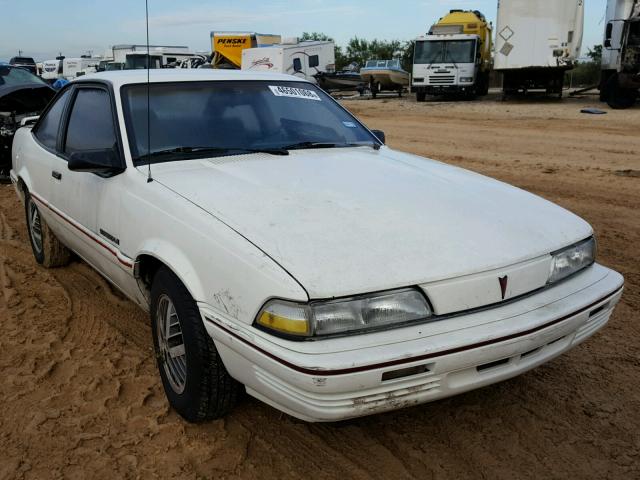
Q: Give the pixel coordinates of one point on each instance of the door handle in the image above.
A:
(56, 175)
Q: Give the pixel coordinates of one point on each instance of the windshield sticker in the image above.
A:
(349, 124)
(280, 91)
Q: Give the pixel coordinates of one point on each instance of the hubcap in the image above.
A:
(35, 226)
(171, 344)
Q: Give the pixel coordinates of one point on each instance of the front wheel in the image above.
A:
(421, 96)
(47, 249)
(195, 380)
(618, 97)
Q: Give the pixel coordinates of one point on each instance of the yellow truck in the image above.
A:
(454, 58)
(227, 47)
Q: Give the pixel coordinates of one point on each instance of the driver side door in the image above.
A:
(88, 204)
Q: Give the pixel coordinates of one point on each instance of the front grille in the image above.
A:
(442, 79)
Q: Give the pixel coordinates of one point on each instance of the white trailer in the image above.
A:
(77, 67)
(537, 42)
(303, 59)
(168, 54)
(52, 70)
(620, 79)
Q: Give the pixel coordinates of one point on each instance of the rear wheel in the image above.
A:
(195, 380)
(47, 249)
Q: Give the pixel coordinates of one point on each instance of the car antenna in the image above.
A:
(149, 177)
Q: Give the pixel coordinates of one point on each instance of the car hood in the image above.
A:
(27, 98)
(355, 220)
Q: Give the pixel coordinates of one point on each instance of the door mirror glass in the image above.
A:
(380, 134)
(297, 65)
(104, 161)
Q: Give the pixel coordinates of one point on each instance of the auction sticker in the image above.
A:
(282, 91)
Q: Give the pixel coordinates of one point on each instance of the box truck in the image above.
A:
(537, 42)
(620, 79)
(455, 57)
(227, 47)
(303, 59)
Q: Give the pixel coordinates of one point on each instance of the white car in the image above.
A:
(282, 248)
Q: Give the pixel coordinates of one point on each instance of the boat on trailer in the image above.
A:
(384, 75)
(347, 79)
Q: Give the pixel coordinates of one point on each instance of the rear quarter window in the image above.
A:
(47, 130)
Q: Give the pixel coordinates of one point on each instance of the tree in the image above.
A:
(596, 54)
(317, 36)
(587, 73)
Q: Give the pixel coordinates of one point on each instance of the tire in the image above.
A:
(421, 96)
(194, 378)
(617, 97)
(47, 249)
(373, 88)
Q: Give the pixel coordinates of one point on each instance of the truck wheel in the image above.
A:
(195, 380)
(421, 96)
(47, 249)
(617, 97)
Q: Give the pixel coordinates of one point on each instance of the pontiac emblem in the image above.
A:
(503, 285)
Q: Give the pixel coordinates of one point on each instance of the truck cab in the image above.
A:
(446, 65)
(620, 79)
(454, 58)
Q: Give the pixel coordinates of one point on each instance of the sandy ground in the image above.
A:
(80, 397)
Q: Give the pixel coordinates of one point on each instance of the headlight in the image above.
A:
(572, 259)
(466, 79)
(344, 315)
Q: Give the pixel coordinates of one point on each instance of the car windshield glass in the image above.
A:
(16, 76)
(460, 51)
(204, 119)
(429, 52)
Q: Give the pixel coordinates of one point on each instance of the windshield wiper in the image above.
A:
(305, 145)
(221, 151)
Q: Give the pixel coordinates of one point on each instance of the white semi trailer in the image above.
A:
(537, 42)
(620, 80)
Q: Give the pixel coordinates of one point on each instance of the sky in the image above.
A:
(43, 28)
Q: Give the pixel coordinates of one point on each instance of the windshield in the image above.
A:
(235, 115)
(441, 51)
(395, 63)
(16, 76)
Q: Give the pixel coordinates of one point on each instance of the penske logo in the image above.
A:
(231, 41)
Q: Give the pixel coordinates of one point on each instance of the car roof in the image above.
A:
(119, 78)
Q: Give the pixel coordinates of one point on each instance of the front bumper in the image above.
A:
(336, 379)
(442, 89)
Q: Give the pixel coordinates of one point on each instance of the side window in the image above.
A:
(314, 61)
(47, 132)
(90, 123)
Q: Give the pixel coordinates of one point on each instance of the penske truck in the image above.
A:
(537, 42)
(454, 57)
(227, 47)
(620, 79)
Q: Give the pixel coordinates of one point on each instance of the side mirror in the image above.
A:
(607, 43)
(297, 65)
(380, 135)
(102, 162)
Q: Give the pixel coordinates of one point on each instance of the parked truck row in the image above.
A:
(536, 43)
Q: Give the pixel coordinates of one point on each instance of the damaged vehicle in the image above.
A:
(281, 248)
(22, 96)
